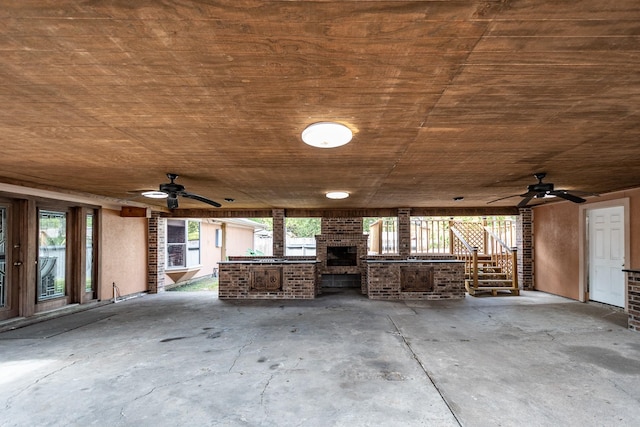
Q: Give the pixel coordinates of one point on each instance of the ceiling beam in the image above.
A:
(339, 213)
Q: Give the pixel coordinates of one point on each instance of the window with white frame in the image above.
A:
(183, 243)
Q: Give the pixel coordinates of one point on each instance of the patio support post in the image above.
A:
(524, 242)
(156, 238)
(279, 232)
(404, 232)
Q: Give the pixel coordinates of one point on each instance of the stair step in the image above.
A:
(489, 273)
(494, 282)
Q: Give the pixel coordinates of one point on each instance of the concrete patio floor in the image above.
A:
(189, 359)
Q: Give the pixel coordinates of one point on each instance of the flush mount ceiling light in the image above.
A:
(326, 135)
(155, 194)
(337, 195)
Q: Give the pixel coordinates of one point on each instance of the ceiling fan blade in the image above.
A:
(172, 201)
(582, 193)
(527, 198)
(200, 199)
(503, 198)
(564, 195)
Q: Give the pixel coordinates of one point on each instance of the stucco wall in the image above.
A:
(209, 257)
(239, 239)
(556, 240)
(556, 249)
(123, 256)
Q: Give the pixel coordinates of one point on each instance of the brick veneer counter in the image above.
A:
(424, 279)
(415, 261)
(267, 279)
(633, 299)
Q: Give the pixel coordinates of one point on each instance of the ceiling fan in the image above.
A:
(541, 190)
(173, 190)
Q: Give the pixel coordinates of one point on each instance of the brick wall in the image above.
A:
(279, 232)
(156, 253)
(404, 232)
(341, 226)
(384, 281)
(633, 304)
(524, 242)
(298, 280)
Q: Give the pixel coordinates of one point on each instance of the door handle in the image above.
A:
(17, 263)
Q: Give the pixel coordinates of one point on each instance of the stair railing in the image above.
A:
(467, 253)
(503, 256)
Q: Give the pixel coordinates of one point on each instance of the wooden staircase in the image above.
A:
(490, 278)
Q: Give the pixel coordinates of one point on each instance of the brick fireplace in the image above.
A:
(341, 249)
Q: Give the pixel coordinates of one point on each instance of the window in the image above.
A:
(183, 243)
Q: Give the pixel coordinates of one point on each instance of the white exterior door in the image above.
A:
(606, 256)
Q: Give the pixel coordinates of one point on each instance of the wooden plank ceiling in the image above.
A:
(446, 99)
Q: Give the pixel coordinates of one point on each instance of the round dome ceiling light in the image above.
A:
(155, 194)
(326, 135)
(337, 195)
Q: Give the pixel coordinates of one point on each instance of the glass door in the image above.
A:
(90, 251)
(3, 259)
(52, 251)
(8, 266)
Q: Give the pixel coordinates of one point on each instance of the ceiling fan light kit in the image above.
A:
(155, 194)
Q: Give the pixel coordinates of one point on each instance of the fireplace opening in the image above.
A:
(340, 256)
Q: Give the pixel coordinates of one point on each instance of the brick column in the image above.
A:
(156, 240)
(279, 232)
(524, 242)
(404, 232)
(633, 303)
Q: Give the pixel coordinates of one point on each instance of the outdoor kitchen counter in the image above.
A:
(269, 261)
(267, 278)
(415, 279)
(413, 261)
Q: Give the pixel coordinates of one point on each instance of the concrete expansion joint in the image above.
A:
(425, 370)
